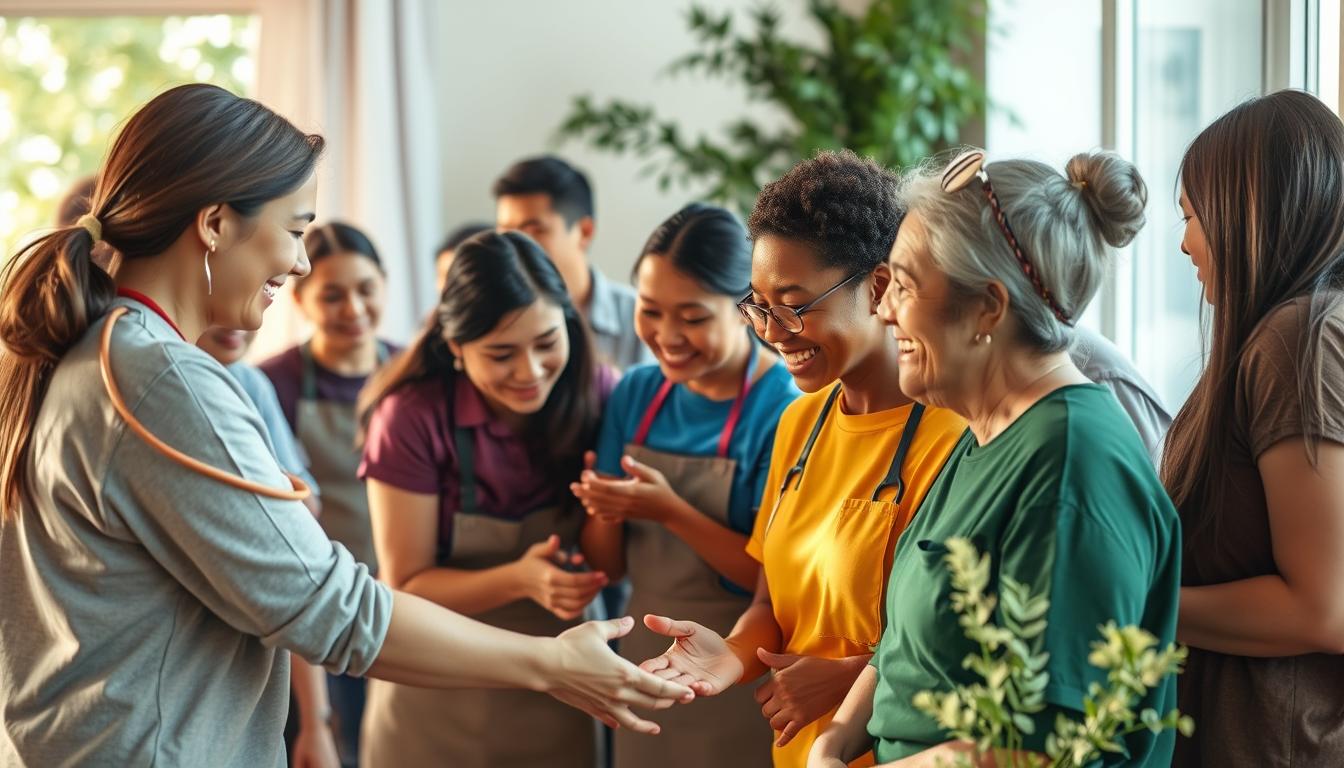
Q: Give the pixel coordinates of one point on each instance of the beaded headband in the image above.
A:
(971, 165)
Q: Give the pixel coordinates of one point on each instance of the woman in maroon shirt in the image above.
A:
(473, 436)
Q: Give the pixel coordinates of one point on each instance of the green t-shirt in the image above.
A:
(1064, 500)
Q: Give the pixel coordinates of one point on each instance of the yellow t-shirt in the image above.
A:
(822, 550)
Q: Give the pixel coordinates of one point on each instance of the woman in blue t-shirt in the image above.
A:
(681, 463)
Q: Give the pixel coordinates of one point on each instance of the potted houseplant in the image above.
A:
(892, 82)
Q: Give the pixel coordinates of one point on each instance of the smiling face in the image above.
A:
(257, 255)
(934, 333)
(838, 332)
(1196, 247)
(516, 365)
(694, 333)
(343, 299)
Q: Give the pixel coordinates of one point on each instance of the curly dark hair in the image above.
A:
(842, 204)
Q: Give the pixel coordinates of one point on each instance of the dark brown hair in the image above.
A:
(187, 149)
(1266, 182)
(495, 274)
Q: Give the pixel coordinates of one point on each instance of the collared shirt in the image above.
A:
(144, 607)
(611, 317)
(410, 445)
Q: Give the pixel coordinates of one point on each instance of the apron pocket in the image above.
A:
(854, 556)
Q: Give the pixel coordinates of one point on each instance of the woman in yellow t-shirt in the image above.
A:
(852, 458)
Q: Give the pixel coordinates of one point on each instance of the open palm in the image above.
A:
(699, 658)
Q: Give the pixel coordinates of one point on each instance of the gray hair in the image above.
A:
(1064, 225)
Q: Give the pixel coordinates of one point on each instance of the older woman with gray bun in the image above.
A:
(992, 266)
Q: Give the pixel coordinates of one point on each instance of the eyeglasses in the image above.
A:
(971, 165)
(785, 317)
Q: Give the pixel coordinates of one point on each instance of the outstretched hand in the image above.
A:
(588, 675)
(698, 658)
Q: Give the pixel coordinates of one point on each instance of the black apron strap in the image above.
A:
(308, 379)
(796, 470)
(466, 470)
(893, 478)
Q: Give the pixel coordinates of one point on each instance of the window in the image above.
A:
(1144, 77)
(70, 82)
(1192, 62)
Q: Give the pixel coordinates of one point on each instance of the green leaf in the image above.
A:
(1024, 723)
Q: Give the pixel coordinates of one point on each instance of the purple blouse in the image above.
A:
(410, 446)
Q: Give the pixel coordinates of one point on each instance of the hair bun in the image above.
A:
(1114, 192)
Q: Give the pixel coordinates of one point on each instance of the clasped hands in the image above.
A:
(643, 494)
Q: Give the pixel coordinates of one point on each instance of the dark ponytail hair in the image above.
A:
(707, 243)
(338, 237)
(189, 148)
(495, 274)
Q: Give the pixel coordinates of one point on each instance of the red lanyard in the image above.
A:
(734, 413)
(127, 293)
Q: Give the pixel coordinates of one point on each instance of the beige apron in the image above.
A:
(668, 578)
(420, 727)
(326, 429)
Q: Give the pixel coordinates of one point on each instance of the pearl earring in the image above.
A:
(457, 364)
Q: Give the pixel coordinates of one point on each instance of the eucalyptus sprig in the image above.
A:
(996, 713)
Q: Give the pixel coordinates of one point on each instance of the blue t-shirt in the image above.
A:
(690, 424)
(288, 452)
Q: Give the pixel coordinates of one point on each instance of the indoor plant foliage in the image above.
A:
(887, 83)
(995, 713)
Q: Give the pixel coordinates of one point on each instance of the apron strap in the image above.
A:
(796, 471)
(734, 413)
(466, 469)
(308, 379)
(893, 478)
(308, 383)
(645, 423)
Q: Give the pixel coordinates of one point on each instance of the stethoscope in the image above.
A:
(299, 491)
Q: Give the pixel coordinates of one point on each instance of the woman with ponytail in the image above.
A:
(146, 598)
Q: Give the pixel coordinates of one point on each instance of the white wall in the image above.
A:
(510, 67)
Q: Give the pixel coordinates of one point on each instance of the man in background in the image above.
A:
(550, 201)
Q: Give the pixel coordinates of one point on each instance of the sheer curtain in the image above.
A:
(360, 73)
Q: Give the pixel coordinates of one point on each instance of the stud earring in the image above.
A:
(985, 337)
(457, 364)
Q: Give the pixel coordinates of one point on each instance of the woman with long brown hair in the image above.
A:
(153, 559)
(472, 437)
(1255, 459)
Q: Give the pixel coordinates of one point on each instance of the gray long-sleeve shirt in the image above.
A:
(145, 608)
